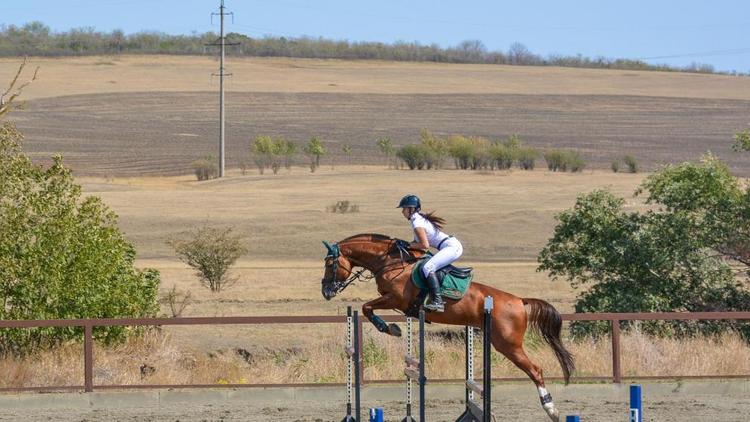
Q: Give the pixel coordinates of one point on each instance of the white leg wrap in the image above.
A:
(548, 404)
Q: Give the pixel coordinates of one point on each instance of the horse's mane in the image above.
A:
(373, 236)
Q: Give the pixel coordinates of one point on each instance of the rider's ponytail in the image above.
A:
(436, 221)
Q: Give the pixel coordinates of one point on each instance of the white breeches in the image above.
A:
(451, 251)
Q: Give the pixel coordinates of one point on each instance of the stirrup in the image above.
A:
(435, 307)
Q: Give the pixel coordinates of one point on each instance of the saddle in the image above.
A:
(454, 282)
(459, 272)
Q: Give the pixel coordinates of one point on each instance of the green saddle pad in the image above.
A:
(452, 287)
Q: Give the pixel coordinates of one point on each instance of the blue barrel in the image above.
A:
(636, 406)
(376, 414)
(572, 418)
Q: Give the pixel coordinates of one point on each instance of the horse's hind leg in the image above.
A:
(512, 347)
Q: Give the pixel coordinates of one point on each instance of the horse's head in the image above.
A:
(337, 271)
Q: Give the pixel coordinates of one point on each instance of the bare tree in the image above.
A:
(13, 91)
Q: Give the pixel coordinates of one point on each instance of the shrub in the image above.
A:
(62, 256)
(243, 166)
(555, 160)
(632, 164)
(564, 160)
(616, 165)
(211, 252)
(501, 156)
(413, 155)
(576, 163)
(462, 151)
(435, 149)
(177, 300)
(526, 158)
(742, 141)
(343, 207)
(206, 168)
(374, 355)
(481, 158)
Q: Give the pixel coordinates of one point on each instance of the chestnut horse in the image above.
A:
(381, 256)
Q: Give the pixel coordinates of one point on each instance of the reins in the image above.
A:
(335, 253)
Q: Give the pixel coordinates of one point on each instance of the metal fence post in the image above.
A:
(360, 346)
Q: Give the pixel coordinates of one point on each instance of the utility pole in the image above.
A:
(222, 43)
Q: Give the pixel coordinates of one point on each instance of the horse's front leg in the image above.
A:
(387, 301)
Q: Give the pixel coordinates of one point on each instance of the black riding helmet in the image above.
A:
(410, 201)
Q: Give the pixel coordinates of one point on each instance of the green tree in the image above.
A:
(314, 149)
(288, 150)
(263, 149)
(435, 149)
(462, 150)
(685, 254)
(387, 149)
(62, 256)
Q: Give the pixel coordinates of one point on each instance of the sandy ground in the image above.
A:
(664, 403)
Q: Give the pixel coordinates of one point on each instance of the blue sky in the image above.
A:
(714, 32)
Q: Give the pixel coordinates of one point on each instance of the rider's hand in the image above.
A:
(402, 244)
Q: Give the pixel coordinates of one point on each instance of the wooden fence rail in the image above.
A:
(89, 324)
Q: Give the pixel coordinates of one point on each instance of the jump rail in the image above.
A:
(89, 324)
(414, 370)
(353, 361)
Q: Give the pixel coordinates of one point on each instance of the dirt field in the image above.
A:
(164, 132)
(137, 115)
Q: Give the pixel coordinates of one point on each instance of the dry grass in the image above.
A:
(91, 75)
(155, 359)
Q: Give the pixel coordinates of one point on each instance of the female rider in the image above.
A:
(428, 233)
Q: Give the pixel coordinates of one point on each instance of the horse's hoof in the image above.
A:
(394, 330)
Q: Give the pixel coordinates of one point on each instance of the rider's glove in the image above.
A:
(402, 244)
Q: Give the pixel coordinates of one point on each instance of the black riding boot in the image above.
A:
(435, 303)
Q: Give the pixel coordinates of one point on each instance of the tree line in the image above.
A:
(433, 152)
(36, 38)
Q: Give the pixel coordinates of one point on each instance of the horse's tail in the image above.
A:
(545, 319)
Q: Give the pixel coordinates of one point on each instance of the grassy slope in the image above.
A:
(93, 75)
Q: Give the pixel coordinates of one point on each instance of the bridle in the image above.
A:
(334, 252)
